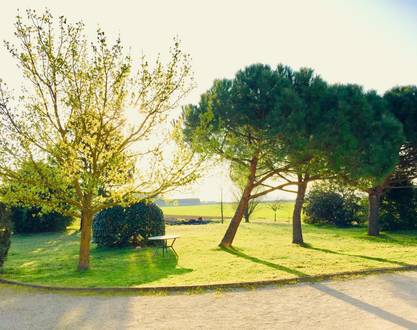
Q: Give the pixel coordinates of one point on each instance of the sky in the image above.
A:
(369, 42)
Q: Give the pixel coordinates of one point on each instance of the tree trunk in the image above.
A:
(81, 221)
(275, 216)
(246, 214)
(243, 204)
(86, 220)
(374, 200)
(297, 233)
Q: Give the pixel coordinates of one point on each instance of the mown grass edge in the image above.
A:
(200, 288)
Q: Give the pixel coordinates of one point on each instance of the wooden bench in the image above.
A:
(164, 239)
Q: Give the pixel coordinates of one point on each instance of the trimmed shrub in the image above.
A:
(324, 206)
(118, 226)
(5, 232)
(399, 208)
(30, 220)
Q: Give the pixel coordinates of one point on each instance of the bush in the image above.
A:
(30, 220)
(399, 208)
(5, 232)
(118, 226)
(326, 206)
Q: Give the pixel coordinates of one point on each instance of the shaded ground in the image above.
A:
(375, 302)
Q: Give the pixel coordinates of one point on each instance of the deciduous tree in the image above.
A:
(73, 114)
(275, 206)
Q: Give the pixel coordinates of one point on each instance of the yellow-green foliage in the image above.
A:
(68, 136)
(72, 118)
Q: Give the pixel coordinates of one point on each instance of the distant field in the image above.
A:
(262, 212)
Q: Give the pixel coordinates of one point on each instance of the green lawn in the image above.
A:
(262, 251)
(262, 211)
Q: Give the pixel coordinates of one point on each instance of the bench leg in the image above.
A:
(172, 247)
(173, 250)
(165, 248)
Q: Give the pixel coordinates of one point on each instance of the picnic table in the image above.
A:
(164, 239)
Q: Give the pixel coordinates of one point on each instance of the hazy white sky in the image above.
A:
(369, 42)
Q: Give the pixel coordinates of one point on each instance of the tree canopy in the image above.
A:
(285, 128)
(233, 122)
(402, 102)
(395, 145)
(334, 131)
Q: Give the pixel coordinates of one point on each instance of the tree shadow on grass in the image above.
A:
(131, 267)
(52, 260)
(400, 237)
(408, 238)
(239, 253)
(399, 263)
(40, 244)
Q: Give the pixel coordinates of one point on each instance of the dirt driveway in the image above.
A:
(375, 302)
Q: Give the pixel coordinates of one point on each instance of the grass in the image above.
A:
(262, 211)
(262, 251)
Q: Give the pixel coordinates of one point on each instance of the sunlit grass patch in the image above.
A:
(262, 251)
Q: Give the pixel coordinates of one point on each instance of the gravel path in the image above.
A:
(375, 302)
